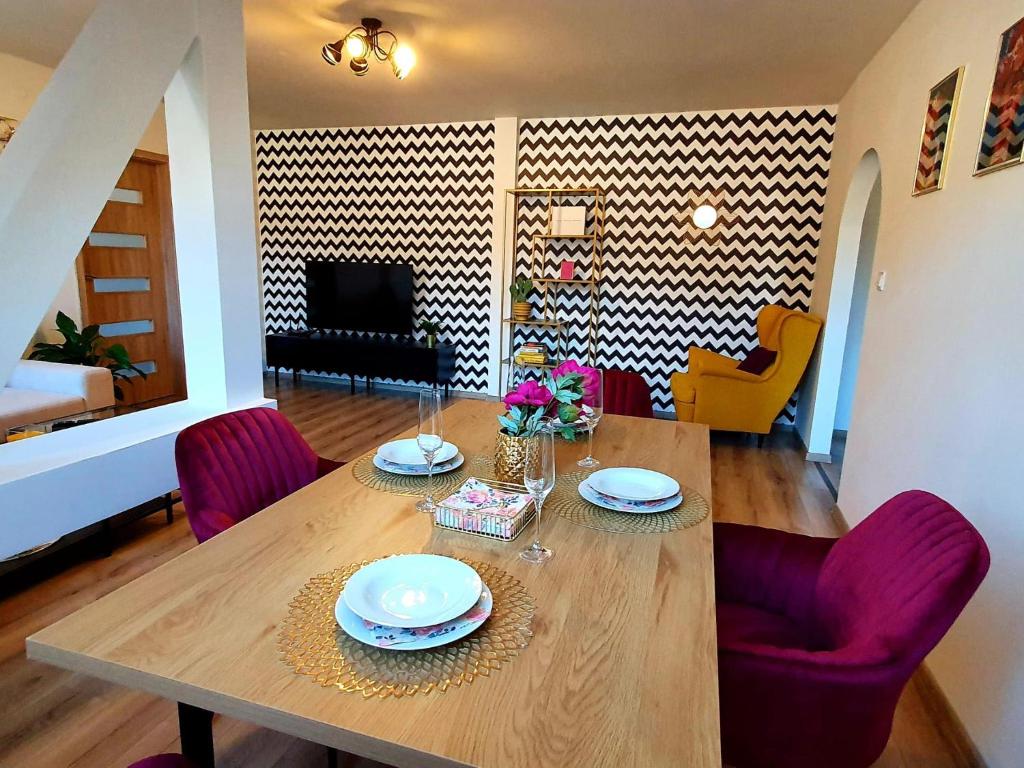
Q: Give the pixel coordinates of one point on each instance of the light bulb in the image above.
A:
(403, 59)
(705, 216)
(357, 46)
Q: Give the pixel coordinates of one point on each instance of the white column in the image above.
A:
(506, 153)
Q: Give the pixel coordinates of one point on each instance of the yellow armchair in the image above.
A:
(713, 392)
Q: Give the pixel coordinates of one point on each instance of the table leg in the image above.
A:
(195, 726)
(169, 507)
(277, 376)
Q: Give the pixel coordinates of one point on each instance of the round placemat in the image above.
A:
(313, 644)
(409, 485)
(565, 499)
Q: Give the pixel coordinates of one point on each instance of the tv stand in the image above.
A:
(355, 356)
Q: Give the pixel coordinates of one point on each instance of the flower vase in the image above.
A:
(510, 457)
(431, 341)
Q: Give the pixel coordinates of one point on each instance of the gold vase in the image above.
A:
(510, 458)
(521, 311)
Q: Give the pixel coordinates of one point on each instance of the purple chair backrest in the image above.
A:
(626, 394)
(234, 465)
(893, 586)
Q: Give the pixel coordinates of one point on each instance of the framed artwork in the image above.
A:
(7, 126)
(937, 134)
(1003, 137)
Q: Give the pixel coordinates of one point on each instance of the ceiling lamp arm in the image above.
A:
(366, 39)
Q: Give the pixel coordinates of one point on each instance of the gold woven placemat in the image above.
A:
(565, 499)
(311, 642)
(409, 485)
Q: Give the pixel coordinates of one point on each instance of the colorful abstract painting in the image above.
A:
(1003, 138)
(7, 126)
(935, 137)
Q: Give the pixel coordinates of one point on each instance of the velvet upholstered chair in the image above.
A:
(232, 466)
(817, 637)
(748, 395)
(626, 394)
(163, 761)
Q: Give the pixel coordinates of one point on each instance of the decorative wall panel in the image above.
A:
(418, 195)
(668, 286)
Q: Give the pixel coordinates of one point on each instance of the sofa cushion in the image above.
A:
(26, 406)
(758, 360)
(89, 383)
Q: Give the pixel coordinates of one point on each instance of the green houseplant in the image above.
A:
(520, 290)
(87, 347)
(431, 328)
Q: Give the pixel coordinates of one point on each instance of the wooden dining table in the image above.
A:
(621, 669)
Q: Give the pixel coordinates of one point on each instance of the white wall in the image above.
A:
(939, 398)
(858, 307)
(21, 82)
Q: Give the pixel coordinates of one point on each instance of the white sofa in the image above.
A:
(39, 391)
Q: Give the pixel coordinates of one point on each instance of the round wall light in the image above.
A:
(705, 216)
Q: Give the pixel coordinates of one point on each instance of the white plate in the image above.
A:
(412, 590)
(625, 505)
(407, 452)
(633, 483)
(381, 636)
(417, 469)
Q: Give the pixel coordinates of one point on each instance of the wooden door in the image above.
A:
(128, 279)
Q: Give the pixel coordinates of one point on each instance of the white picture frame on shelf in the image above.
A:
(568, 220)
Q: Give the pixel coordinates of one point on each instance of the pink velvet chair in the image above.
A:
(627, 394)
(817, 637)
(163, 761)
(232, 466)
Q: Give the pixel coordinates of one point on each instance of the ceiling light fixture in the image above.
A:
(370, 40)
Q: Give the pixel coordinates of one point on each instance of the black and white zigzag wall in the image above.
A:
(419, 195)
(665, 286)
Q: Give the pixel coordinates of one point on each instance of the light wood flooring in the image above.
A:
(54, 719)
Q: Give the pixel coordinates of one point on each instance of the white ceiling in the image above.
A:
(479, 59)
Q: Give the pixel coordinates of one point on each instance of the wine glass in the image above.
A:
(591, 415)
(539, 479)
(430, 438)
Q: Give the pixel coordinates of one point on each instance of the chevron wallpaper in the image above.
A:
(666, 286)
(418, 194)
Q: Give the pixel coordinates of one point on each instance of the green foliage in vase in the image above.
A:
(87, 347)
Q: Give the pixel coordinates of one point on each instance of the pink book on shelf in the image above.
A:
(568, 268)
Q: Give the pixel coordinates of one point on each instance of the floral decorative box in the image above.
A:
(488, 508)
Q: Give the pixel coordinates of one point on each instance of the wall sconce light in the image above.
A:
(705, 216)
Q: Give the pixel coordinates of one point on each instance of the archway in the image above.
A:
(851, 279)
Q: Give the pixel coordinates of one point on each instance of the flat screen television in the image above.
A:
(348, 296)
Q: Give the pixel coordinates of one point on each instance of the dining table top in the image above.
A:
(621, 669)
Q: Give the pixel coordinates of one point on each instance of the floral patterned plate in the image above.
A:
(418, 638)
(417, 469)
(628, 505)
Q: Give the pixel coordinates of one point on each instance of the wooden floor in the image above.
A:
(54, 719)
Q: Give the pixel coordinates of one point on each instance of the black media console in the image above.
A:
(353, 356)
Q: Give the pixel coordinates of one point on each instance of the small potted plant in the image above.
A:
(520, 289)
(87, 347)
(430, 328)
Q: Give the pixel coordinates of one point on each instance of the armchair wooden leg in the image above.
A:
(760, 441)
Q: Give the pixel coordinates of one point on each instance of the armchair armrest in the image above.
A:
(768, 568)
(705, 361)
(94, 385)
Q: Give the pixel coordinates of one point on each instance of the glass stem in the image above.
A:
(590, 441)
(538, 502)
(430, 480)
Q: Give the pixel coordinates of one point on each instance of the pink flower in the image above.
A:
(476, 497)
(590, 378)
(528, 393)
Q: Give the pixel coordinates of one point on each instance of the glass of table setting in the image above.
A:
(430, 440)
(590, 413)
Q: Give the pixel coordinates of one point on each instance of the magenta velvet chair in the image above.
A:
(163, 761)
(817, 637)
(232, 466)
(626, 394)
